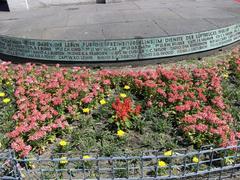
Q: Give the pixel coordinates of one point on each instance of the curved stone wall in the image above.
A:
(118, 50)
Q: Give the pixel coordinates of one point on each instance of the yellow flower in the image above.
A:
(162, 164)
(86, 157)
(8, 83)
(2, 94)
(225, 75)
(120, 133)
(126, 87)
(168, 153)
(102, 102)
(195, 159)
(123, 95)
(63, 160)
(6, 100)
(63, 143)
(31, 165)
(86, 110)
(229, 161)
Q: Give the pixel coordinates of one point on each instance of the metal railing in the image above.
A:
(8, 165)
(207, 163)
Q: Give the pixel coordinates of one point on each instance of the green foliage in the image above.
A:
(7, 110)
(113, 112)
(231, 88)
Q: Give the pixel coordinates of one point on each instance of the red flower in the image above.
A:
(122, 108)
(138, 109)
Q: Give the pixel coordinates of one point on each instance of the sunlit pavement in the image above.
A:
(140, 18)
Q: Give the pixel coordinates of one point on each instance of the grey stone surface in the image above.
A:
(206, 12)
(18, 5)
(23, 5)
(87, 32)
(128, 19)
(221, 22)
(130, 30)
(181, 26)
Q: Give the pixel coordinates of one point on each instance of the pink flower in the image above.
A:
(160, 104)
(218, 101)
(57, 101)
(190, 119)
(201, 128)
(37, 135)
(26, 151)
(106, 82)
(160, 91)
(150, 83)
(87, 99)
(149, 104)
(200, 73)
(46, 128)
(73, 95)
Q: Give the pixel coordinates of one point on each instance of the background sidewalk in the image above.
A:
(139, 18)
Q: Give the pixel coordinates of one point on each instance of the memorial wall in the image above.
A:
(118, 50)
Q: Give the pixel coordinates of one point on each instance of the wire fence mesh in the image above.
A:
(8, 165)
(207, 163)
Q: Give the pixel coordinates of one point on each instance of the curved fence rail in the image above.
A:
(207, 163)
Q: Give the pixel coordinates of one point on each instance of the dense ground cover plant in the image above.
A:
(113, 111)
(231, 86)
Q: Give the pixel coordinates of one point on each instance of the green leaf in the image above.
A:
(110, 120)
(118, 125)
(128, 123)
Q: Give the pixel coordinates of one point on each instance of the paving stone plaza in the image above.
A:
(21, 5)
(137, 29)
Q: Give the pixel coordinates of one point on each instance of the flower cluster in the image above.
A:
(41, 99)
(194, 98)
(123, 109)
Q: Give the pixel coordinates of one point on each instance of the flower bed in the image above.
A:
(113, 111)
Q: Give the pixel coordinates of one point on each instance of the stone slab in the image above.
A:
(114, 26)
(181, 26)
(18, 5)
(166, 18)
(137, 48)
(87, 32)
(131, 30)
(23, 5)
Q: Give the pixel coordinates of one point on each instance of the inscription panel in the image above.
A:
(119, 50)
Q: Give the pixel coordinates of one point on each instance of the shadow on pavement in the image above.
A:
(4, 5)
